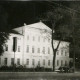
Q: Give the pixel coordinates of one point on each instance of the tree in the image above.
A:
(58, 19)
(3, 28)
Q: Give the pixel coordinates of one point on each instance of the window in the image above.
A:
(61, 52)
(57, 62)
(33, 61)
(12, 61)
(38, 50)
(65, 63)
(27, 50)
(28, 37)
(39, 38)
(32, 49)
(43, 50)
(65, 53)
(33, 38)
(27, 61)
(43, 39)
(5, 61)
(48, 50)
(48, 62)
(18, 61)
(48, 40)
(61, 62)
(39, 63)
(6, 47)
(18, 48)
(43, 62)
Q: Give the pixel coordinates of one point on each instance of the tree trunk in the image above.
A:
(54, 58)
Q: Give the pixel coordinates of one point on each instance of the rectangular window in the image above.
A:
(43, 62)
(18, 48)
(61, 62)
(65, 53)
(61, 52)
(18, 61)
(33, 38)
(6, 47)
(65, 63)
(28, 37)
(48, 62)
(38, 50)
(57, 62)
(48, 50)
(27, 50)
(43, 50)
(39, 63)
(32, 49)
(33, 61)
(39, 38)
(5, 61)
(12, 61)
(27, 62)
(43, 39)
(48, 40)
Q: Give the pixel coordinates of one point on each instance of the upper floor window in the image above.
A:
(6, 47)
(38, 50)
(27, 37)
(27, 49)
(33, 38)
(27, 61)
(5, 61)
(18, 61)
(48, 50)
(48, 40)
(32, 49)
(43, 39)
(18, 48)
(39, 38)
(61, 52)
(65, 52)
(43, 50)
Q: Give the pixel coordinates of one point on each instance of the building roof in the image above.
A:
(38, 25)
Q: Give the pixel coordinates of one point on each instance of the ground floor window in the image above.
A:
(5, 61)
(18, 61)
(27, 61)
(33, 62)
(57, 62)
(65, 63)
(12, 61)
(44, 62)
(48, 62)
(61, 62)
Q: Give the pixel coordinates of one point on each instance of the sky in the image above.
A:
(16, 13)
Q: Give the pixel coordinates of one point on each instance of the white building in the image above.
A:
(34, 48)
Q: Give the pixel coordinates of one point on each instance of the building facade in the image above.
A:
(33, 48)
